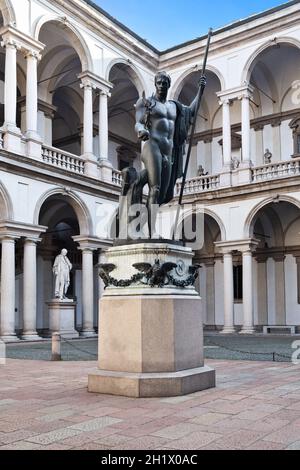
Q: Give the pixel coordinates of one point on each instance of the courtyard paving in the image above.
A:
(45, 405)
(235, 347)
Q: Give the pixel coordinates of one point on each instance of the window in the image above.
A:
(238, 283)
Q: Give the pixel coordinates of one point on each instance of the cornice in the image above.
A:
(95, 82)
(22, 40)
(256, 124)
(180, 56)
(226, 38)
(268, 188)
(38, 170)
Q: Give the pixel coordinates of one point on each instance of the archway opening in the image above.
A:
(206, 152)
(124, 148)
(59, 216)
(277, 269)
(274, 75)
(60, 96)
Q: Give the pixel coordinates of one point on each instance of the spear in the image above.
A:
(198, 102)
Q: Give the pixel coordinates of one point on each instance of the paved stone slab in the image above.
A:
(45, 405)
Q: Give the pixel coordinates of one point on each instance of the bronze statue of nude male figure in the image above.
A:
(163, 125)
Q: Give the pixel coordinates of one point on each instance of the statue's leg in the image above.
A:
(152, 160)
(56, 293)
(165, 177)
(61, 290)
(138, 197)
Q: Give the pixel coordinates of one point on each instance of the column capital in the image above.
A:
(87, 84)
(89, 79)
(12, 43)
(209, 263)
(33, 53)
(278, 257)
(16, 38)
(32, 240)
(87, 243)
(225, 101)
(19, 230)
(296, 255)
(104, 93)
(261, 258)
(247, 245)
(9, 237)
(236, 93)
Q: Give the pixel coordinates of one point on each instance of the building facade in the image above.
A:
(69, 78)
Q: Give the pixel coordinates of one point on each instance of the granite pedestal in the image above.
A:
(150, 338)
(62, 317)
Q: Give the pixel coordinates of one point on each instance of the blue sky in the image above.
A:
(166, 23)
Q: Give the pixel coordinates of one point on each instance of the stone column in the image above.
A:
(297, 259)
(87, 292)
(225, 177)
(33, 139)
(279, 289)
(276, 126)
(245, 98)
(259, 138)
(105, 165)
(7, 303)
(228, 294)
(10, 84)
(101, 259)
(262, 290)
(90, 167)
(12, 136)
(31, 94)
(226, 133)
(30, 290)
(248, 326)
(103, 125)
(210, 291)
(244, 170)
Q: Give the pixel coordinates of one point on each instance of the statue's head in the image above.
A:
(162, 81)
(64, 252)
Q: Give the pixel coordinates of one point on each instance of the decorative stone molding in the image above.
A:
(257, 124)
(278, 257)
(91, 243)
(261, 257)
(15, 229)
(226, 96)
(156, 275)
(9, 42)
(91, 80)
(15, 38)
(246, 245)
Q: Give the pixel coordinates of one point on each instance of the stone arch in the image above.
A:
(282, 102)
(247, 70)
(6, 205)
(8, 12)
(210, 213)
(178, 85)
(80, 208)
(287, 229)
(248, 227)
(76, 38)
(133, 73)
